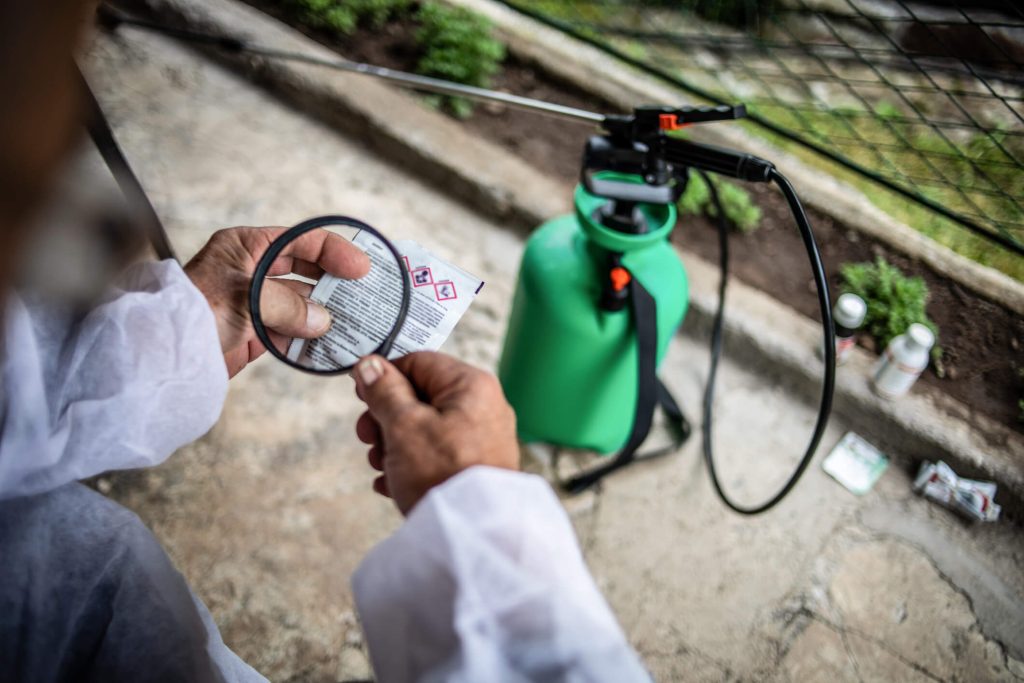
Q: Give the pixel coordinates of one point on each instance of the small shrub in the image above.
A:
(457, 46)
(695, 197)
(455, 43)
(344, 16)
(376, 13)
(894, 301)
(740, 209)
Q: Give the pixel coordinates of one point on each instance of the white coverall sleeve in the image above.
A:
(485, 582)
(139, 376)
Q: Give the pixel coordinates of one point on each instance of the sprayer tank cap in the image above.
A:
(850, 311)
(920, 336)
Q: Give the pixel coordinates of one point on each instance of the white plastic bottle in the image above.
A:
(903, 361)
(847, 315)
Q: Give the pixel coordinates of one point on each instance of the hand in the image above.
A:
(429, 417)
(222, 271)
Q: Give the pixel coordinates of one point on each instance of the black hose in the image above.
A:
(824, 301)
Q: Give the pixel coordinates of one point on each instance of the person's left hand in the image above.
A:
(222, 271)
(430, 416)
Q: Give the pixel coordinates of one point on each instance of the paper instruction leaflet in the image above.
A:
(855, 463)
(364, 310)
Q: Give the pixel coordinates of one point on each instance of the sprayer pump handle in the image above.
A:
(674, 118)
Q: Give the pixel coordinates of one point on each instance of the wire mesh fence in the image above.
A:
(921, 105)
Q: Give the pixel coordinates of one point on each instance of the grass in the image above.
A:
(957, 168)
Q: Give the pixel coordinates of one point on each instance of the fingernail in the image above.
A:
(317, 317)
(369, 371)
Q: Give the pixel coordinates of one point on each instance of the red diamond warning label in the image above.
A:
(445, 290)
(422, 277)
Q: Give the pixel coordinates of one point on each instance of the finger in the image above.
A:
(286, 265)
(367, 429)
(330, 251)
(290, 314)
(386, 391)
(303, 289)
(375, 456)
(380, 485)
(442, 380)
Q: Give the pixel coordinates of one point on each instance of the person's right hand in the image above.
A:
(430, 416)
(222, 271)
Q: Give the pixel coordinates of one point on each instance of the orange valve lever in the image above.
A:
(620, 278)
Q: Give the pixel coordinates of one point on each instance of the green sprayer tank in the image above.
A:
(569, 366)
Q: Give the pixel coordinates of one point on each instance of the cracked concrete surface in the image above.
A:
(268, 514)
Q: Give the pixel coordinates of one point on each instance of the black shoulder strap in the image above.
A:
(650, 394)
(103, 137)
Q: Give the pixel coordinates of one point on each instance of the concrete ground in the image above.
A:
(268, 514)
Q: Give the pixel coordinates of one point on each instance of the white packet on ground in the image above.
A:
(855, 464)
(970, 497)
(440, 294)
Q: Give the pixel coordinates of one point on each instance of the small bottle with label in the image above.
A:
(848, 314)
(903, 361)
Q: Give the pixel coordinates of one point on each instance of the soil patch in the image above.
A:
(981, 339)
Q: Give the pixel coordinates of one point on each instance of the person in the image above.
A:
(483, 581)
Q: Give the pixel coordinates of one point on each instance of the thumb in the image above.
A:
(286, 310)
(385, 390)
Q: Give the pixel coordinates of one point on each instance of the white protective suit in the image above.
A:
(483, 582)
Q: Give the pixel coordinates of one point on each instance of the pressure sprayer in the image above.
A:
(601, 292)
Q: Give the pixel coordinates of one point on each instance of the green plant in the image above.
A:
(740, 209)
(894, 301)
(457, 46)
(379, 12)
(454, 43)
(344, 16)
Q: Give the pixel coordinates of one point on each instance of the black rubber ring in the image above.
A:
(275, 249)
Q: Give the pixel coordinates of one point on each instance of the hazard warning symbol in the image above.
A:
(422, 277)
(445, 290)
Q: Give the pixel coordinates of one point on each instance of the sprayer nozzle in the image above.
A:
(754, 169)
(718, 160)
